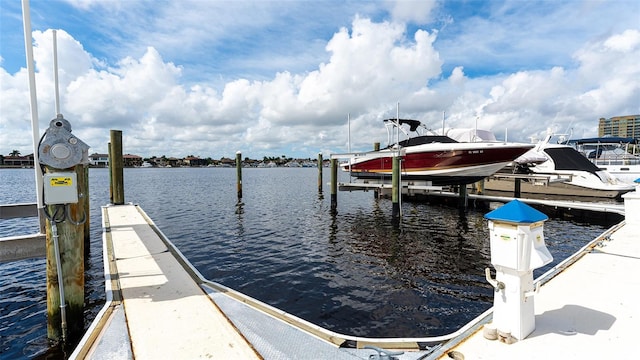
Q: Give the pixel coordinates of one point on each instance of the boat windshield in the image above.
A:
(570, 159)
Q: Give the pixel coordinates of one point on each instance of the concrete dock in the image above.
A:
(589, 310)
(160, 307)
(168, 316)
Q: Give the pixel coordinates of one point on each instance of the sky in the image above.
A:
(298, 78)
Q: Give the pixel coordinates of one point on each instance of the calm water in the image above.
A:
(352, 273)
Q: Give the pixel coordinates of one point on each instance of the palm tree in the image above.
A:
(15, 153)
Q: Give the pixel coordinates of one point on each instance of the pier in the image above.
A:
(167, 314)
(158, 305)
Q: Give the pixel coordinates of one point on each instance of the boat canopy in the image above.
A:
(566, 158)
(413, 124)
(604, 140)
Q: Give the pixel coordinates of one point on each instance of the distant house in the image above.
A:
(130, 160)
(227, 162)
(18, 161)
(99, 160)
(194, 161)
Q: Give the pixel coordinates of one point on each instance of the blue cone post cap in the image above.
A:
(517, 212)
(637, 181)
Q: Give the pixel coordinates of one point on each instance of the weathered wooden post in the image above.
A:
(239, 174)
(463, 201)
(116, 164)
(334, 184)
(395, 190)
(320, 172)
(64, 157)
(110, 173)
(376, 192)
(517, 188)
(83, 200)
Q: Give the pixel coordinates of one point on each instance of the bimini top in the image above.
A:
(517, 212)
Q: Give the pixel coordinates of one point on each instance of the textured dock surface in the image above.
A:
(168, 315)
(589, 310)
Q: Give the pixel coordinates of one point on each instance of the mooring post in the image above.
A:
(239, 174)
(395, 191)
(110, 173)
(64, 158)
(376, 192)
(83, 200)
(116, 164)
(69, 236)
(516, 189)
(334, 184)
(320, 172)
(463, 200)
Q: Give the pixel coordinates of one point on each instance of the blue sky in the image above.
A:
(268, 78)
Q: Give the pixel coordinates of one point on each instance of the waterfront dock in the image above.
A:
(587, 310)
(159, 306)
(168, 315)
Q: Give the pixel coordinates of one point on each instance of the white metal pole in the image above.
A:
(348, 133)
(55, 71)
(33, 102)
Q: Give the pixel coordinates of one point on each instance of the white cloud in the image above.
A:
(366, 69)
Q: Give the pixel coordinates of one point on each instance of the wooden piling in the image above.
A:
(116, 164)
(395, 191)
(376, 192)
(334, 184)
(83, 200)
(239, 174)
(70, 232)
(516, 187)
(463, 199)
(320, 172)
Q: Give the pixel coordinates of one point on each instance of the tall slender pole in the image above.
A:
(116, 165)
(443, 123)
(348, 132)
(334, 185)
(395, 191)
(33, 103)
(239, 174)
(55, 71)
(320, 161)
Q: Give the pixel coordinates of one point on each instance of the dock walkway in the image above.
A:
(588, 310)
(168, 315)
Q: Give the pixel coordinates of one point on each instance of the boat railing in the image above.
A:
(21, 247)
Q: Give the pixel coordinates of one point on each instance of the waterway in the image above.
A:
(352, 272)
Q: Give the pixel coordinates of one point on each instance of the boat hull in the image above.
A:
(464, 164)
(543, 189)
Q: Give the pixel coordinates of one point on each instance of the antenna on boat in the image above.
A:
(443, 123)
(398, 122)
(348, 132)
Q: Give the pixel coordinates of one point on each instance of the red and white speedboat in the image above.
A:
(435, 158)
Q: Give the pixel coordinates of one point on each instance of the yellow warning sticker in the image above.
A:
(61, 181)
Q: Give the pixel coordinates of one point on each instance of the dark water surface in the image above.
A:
(351, 272)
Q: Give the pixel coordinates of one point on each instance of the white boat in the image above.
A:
(616, 155)
(438, 159)
(557, 169)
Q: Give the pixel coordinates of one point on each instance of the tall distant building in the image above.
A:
(624, 126)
